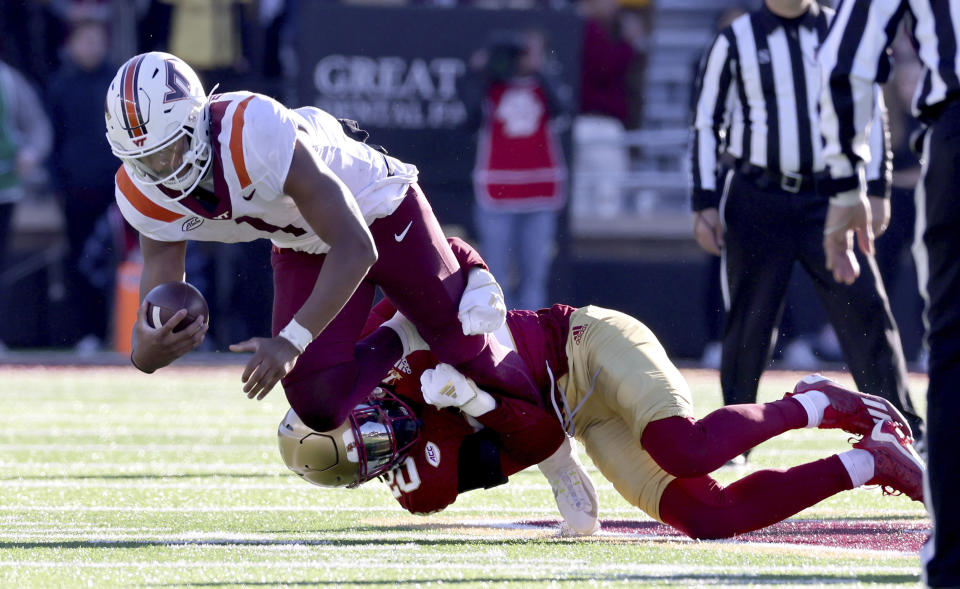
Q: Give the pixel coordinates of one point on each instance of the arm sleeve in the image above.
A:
(852, 58)
(711, 110)
(466, 254)
(378, 314)
(478, 463)
(528, 434)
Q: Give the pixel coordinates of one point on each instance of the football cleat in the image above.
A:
(897, 467)
(851, 411)
(573, 490)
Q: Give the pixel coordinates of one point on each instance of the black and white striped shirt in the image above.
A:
(853, 57)
(757, 101)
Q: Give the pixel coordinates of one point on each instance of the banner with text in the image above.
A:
(396, 71)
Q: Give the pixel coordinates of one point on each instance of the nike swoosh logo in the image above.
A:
(399, 236)
(249, 196)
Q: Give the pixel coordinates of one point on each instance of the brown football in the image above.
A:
(164, 300)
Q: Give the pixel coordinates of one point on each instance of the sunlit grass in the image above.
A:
(111, 478)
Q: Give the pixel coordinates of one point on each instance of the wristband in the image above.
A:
(297, 335)
(479, 405)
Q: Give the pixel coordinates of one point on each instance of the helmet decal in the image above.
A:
(177, 83)
(133, 120)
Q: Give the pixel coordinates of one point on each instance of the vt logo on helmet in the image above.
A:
(374, 438)
(157, 122)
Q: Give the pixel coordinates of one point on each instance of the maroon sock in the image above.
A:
(702, 508)
(687, 447)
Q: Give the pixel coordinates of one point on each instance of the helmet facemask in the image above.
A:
(387, 428)
(376, 436)
(193, 163)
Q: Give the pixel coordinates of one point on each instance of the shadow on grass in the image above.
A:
(594, 578)
(134, 476)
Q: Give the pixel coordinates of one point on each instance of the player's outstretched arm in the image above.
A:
(328, 206)
(155, 348)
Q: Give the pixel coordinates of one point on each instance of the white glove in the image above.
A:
(444, 386)
(409, 336)
(482, 309)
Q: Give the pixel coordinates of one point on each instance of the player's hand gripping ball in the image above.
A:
(168, 298)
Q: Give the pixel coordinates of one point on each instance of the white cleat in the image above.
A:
(573, 490)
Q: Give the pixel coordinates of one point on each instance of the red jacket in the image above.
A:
(520, 165)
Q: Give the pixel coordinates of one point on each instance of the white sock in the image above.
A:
(859, 465)
(408, 334)
(815, 403)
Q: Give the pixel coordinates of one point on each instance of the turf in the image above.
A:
(111, 478)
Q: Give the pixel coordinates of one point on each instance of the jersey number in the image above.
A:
(404, 478)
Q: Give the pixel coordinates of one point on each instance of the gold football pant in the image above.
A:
(619, 380)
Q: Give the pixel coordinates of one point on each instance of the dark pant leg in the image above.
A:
(755, 267)
(327, 381)
(860, 313)
(421, 276)
(938, 205)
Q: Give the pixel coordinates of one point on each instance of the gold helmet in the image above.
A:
(385, 426)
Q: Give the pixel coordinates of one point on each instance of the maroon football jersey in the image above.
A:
(541, 340)
(427, 479)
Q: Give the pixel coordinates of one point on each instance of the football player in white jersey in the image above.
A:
(343, 218)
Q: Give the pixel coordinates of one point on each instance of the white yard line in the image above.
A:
(555, 569)
(302, 509)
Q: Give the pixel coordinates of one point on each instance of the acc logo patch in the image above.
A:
(432, 453)
(192, 223)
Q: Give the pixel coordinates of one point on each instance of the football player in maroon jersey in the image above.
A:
(615, 390)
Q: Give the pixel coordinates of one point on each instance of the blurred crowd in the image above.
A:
(57, 57)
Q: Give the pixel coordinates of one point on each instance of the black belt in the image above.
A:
(792, 182)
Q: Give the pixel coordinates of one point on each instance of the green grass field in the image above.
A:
(112, 478)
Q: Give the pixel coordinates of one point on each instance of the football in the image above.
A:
(164, 300)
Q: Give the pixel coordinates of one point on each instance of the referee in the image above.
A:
(864, 29)
(756, 150)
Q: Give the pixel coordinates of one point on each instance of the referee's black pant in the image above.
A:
(938, 264)
(767, 231)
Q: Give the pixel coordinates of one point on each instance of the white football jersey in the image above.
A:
(252, 141)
